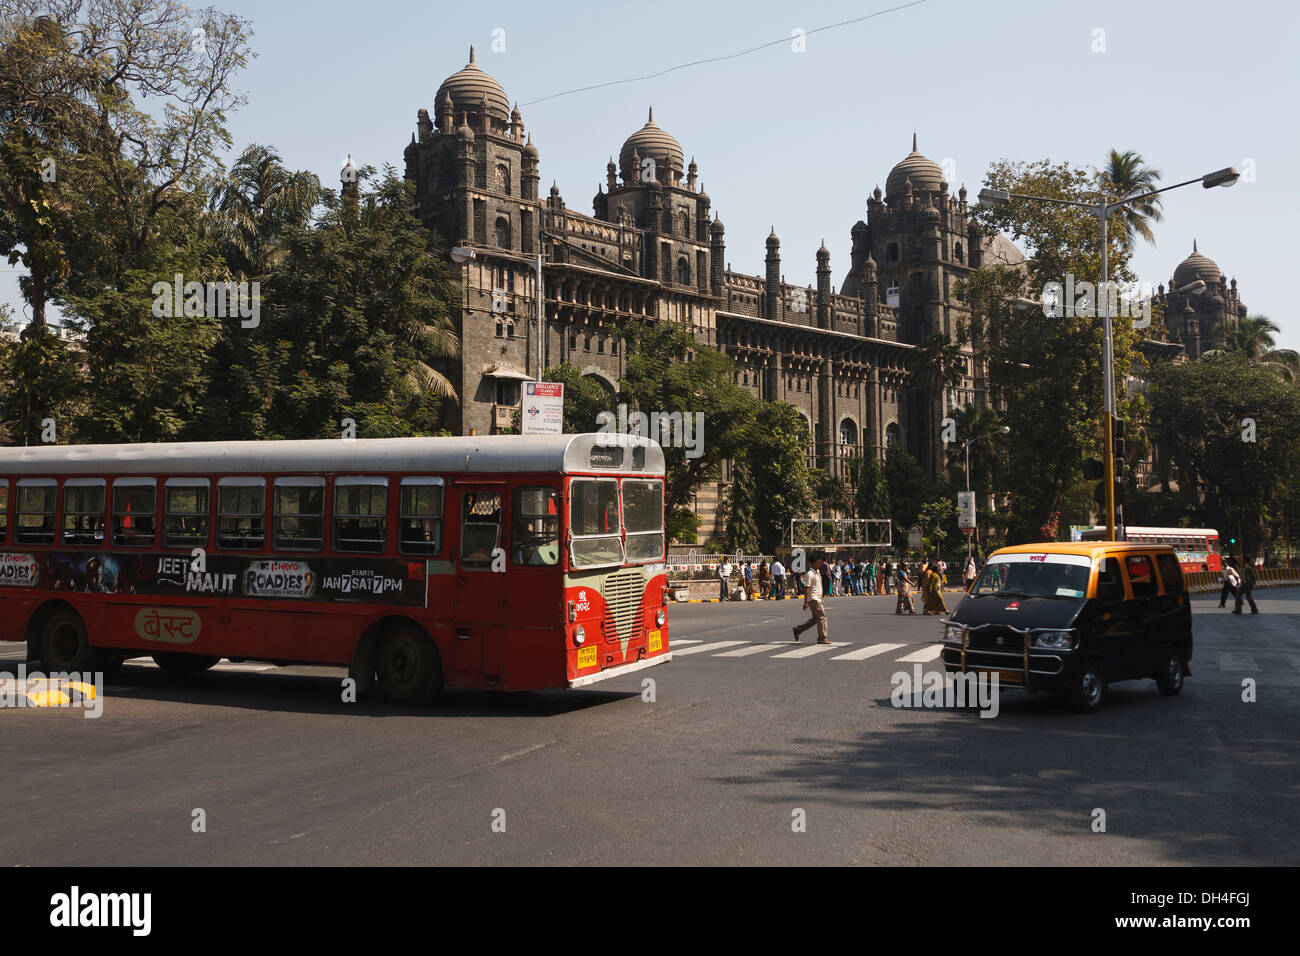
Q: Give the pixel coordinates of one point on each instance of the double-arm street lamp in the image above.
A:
(1102, 210)
(1004, 430)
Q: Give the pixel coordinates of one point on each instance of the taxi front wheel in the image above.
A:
(1089, 693)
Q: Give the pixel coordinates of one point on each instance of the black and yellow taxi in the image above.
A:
(1073, 618)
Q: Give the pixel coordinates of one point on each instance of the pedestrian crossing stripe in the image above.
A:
(801, 652)
(871, 650)
(752, 649)
(923, 656)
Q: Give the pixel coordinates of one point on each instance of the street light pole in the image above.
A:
(1102, 210)
(541, 315)
(966, 443)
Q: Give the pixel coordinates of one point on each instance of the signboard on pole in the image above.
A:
(543, 409)
(914, 537)
(965, 509)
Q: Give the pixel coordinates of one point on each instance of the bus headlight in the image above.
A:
(660, 618)
(579, 634)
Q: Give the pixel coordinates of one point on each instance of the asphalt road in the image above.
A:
(741, 744)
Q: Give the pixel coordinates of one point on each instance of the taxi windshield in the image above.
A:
(1034, 576)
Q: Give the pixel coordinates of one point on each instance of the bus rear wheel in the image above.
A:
(182, 665)
(408, 667)
(64, 643)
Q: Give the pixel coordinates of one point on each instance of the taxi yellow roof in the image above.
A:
(1090, 548)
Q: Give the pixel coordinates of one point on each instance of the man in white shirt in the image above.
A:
(812, 601)
(778, 579)
(724, 578)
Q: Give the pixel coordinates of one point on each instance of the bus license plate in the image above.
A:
(656, 642)
(587, 657)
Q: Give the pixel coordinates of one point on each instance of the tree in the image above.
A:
(936, 366)
(1253, 338)
(870, 491)
(584, 398)
(740, 522)
(1047, 372)
(909, 487)
(1231, 434)
(1125, 175)
(669, 372)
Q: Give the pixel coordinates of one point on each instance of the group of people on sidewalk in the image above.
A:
(840, 578)
(1238, 580)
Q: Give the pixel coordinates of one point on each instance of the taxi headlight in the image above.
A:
(953, 632)
(579, 634)
(1055, 640)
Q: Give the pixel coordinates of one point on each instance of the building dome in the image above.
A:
(1195, 266)
(468, 89)
(651, 141)
(925, 174)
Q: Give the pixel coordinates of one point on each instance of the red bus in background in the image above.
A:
(503, 562)
(1197, 548)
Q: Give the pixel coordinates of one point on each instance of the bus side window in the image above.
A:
(134, 503)
(480, 529)
(299, 514)
(360, 514)
(83, 512)
(536, 538)
(241, 513)
(185, 513)
(4, 511)
(419, 519)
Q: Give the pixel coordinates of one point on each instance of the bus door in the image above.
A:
(479, 596)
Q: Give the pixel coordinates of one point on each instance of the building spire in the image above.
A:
(652, 116)
(471, 53)
(914, 141)
(1193, 246)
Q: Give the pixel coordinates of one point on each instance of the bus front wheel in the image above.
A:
(408, 668)
(181, 665)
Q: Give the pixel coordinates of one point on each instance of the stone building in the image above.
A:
(654, 248)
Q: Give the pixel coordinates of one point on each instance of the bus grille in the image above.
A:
(623, 617)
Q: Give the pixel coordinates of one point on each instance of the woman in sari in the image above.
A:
(932, 588)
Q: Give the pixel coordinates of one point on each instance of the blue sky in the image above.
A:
(798, 140)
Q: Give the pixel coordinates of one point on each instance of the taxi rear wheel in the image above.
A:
(1170, 678)
(1089, 693)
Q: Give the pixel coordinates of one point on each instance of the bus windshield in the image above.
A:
(1035, 575)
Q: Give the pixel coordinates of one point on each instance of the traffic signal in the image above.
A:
(1099, 494)
(1117, 440)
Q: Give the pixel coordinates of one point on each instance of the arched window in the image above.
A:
(683, 271)
(686, 223)
(891, 254)
(499, 329)
(503, 233)
(893, 436)
(848, 432)
(956, 252)
(503, 178)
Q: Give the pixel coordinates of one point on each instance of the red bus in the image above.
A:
(1197, 548)
(503, 562)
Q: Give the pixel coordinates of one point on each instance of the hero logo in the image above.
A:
(280, 579)
(18, 570)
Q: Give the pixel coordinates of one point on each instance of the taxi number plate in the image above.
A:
(1010, 677)
(656, 642)
(587, 657)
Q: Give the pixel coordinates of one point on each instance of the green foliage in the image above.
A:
(40, 381)
(909, 488)
(1199, 421)
(782, 482)
(584, 398)
(740, 524)
(870, 490)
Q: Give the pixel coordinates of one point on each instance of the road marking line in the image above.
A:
(713, 645)
(1236, 660)
(680, 643)
(922, 656)
(871, 650)
(746, 651)
(808, 651)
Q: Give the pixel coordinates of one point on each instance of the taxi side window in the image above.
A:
(1109, 585)
(1141, 575)
(1171, 572)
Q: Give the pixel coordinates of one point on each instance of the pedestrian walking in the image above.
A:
(887, 579)
(812, 601)
(764, 580)
(934, 603)
(724, 580)
(746, 581)
(871, 577)
(968, 573)
(1248, 579)
(778, 579)
(1231, 581)
(903, 585)
(837, 578)
(828, 580)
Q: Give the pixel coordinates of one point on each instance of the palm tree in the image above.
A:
(1124, 175)
(1253, 338)
(256, 204)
